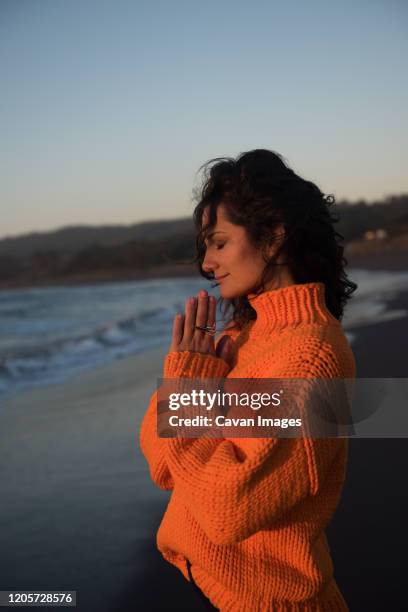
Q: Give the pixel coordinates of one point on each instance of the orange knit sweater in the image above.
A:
(250, 513)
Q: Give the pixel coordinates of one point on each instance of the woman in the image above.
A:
(246, 518)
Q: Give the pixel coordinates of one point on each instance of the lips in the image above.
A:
(220, 277)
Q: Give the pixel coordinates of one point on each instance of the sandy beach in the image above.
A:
(79, 512)
(78, 509)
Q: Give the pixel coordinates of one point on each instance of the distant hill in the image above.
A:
(167, 248)
(70, 240)
(96, 254)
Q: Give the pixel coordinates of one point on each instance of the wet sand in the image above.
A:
(79, 512)
(368, 536)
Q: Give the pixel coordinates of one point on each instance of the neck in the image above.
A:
(282, 277)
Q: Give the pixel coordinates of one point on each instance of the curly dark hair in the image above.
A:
(259, 191)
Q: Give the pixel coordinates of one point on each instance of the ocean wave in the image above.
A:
(49, 334)
(29, 366)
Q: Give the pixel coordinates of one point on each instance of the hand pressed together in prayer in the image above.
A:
(200, 312)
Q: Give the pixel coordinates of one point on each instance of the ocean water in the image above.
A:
(49, 334)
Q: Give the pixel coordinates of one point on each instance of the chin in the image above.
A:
(228, 293)
(225, 293)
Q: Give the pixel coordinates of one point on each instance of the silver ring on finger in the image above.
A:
(207, 329)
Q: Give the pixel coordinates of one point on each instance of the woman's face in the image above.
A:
(235, 263)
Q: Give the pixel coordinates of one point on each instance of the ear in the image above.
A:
(277, 238)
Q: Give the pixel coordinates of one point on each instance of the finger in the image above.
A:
(211, 316)
(201, 337)
(190, 320)
(212, 307)
(177, 336)
(202, 310)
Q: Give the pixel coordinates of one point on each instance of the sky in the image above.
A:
(109, 108)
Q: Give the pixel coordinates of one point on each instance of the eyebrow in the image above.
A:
(211, 234)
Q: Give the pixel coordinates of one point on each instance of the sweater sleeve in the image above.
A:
(188, 364)
(235, 487)
(184, 364)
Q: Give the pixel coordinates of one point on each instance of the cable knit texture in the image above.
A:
(250, 513)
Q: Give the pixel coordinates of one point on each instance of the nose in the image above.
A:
(209, 264)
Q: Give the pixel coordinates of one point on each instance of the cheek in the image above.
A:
(242, 252)
(252, 258)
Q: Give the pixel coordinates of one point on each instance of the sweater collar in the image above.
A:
(290, 306)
